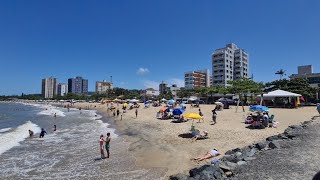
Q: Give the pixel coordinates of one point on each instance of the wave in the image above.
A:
(5, 130)
(104, 127)
(50, 111)
(12, 139)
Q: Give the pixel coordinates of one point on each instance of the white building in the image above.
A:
(49, 87)
(103, 86)
(229, 63)
(62, 89)
(195, 79)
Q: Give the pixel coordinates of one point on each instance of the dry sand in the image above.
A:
(156, 143)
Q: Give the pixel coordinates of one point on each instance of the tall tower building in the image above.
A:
(78, 85)
(196, 79)
(49, 87)
(229, 63)
(62, 89)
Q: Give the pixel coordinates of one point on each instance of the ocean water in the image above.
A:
(71, 152)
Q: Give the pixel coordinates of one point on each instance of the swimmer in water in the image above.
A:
(30, 133)
(54, 127)
(55, 115)
(42, 133)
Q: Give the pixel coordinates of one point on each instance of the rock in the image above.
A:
(249, 158)
(233, 151)
(293, 131)
(272, 138)
(261, 145)
(238, 154)
(251, 152)
(229, 173)
(240, 163)
(178, 177)
(274, 145)
(204, 171)
(231, 158)
(227, 166)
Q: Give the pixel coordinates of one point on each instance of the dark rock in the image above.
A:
(178, 177)
(275, 137)
(249, 158)
(233, 151)
(261, 145)
(240, 163)
(274, 145)
(231, 158)
(293, 131)
(227, 166)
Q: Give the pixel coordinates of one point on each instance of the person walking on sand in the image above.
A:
(214, 116)
(101, 147)
(201, 114)
(42, 133)
(136, 113)
(107, 146)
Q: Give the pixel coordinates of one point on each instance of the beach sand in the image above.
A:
(156, 143)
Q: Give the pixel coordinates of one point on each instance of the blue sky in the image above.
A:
(99, 39)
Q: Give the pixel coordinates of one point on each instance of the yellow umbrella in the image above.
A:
(193, 116)
(124, 104)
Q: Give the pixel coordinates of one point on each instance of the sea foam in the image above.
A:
(5, 130)
(12, 138)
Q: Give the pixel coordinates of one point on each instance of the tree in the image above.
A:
(183, 92)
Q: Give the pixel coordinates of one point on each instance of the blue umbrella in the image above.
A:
(259, 108)
(178, 111)
(146, 103)
(183, 105)
(171, 101)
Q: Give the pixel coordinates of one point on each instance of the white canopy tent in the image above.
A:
(279, 93)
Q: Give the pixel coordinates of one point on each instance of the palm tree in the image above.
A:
(281, 73)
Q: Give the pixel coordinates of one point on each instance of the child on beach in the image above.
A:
(101, 147)
(136, 113)
(214, 116)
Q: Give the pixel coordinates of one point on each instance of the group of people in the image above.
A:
(43, 132)
(261, 120)
(105, 145)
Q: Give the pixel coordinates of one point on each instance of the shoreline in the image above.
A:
(156, 144)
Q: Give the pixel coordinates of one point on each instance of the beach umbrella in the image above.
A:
(134, 100)
(171, 101)
(124, 104)
(146, 103)
(163, 99)
(226, 100)
(193, 116)
(183, 105)
(258, 108)
(178, 111)
(163, 109)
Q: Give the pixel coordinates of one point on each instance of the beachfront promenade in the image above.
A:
(156, 143)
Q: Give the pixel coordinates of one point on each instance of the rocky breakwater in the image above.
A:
(235, 159)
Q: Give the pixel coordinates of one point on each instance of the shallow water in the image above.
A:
(72, 152)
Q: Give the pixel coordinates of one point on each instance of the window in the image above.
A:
(227, 76)
(227, 66)
(227, 70)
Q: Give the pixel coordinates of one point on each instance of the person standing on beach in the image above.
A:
(118, 112)
(101, 147)
(136, 113)
(55, 115)
(108, 139)
(318, 108)
(42, 133)
(54, 127)
(214, 116)
(80, 109)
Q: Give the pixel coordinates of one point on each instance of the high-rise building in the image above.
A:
(196, 79)
(163, 88)
(78, 85)
(49, 87)
(62, 89)
(305, 69)
(229, 63)
(103, 86)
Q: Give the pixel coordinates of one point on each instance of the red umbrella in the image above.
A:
(302, 99)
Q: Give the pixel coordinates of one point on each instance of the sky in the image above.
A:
(143, 42)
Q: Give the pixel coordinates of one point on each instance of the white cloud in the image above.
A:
(178, 82)
(151, 84)
(142, 71)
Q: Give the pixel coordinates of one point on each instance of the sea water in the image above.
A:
(71, 152)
